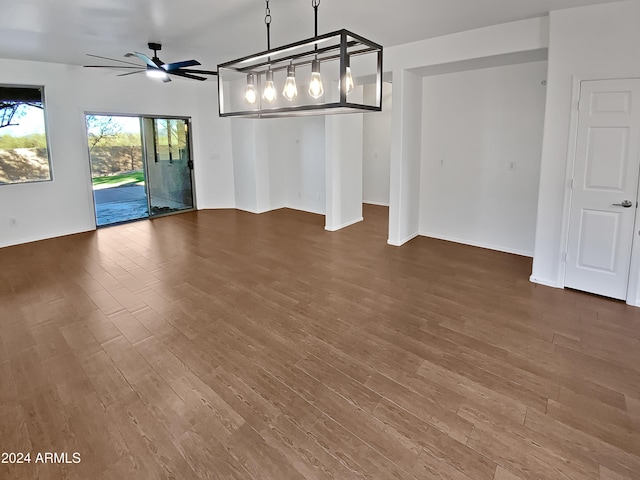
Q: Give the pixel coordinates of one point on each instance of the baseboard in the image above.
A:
(402, 242)
(546, 283)
(497, 248)
(39, 238)
(379, 204)
(305, 211)
(257, 212)
(246, 210)
(217, 207)
(344, 225)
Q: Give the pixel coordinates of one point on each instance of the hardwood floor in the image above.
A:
(226, 345)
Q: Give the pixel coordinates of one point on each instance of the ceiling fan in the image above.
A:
(154, 67)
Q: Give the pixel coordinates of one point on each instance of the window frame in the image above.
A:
(41, 89)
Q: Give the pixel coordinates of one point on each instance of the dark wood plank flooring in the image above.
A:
(226, 345)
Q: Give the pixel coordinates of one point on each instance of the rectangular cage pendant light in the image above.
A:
(322, 75)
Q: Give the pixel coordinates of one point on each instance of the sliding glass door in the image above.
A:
(141, 167)
(168, 164)
(117, 168)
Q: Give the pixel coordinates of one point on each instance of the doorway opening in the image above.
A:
(141, 167)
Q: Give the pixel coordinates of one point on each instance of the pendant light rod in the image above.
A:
(315, 4)
(267, 22)
(269, 93)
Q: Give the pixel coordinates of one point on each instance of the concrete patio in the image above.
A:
(120, 204)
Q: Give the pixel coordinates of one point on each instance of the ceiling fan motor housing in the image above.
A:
(156, 47)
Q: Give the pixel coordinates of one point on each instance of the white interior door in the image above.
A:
(605, 187)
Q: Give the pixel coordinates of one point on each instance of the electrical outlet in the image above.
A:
(513, 165)
(442, 162)
(13, 222)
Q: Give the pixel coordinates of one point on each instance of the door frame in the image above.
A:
(141, 115)
(633, 286)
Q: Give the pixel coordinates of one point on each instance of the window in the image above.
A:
(24, 156)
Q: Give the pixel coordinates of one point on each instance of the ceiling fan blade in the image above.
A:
(131, 73)
(176, 65)
(112, 66)
(181, 73)
(111, 59)
(144, 58)
(202, 72)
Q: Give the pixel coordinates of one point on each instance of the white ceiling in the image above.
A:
(214, 31)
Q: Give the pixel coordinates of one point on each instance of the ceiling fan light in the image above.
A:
(156, 73)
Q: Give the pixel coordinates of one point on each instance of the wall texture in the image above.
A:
(306, 171)
(481, 146)
(279, 163)
(407, 63)
(343, 151)
(376, 149)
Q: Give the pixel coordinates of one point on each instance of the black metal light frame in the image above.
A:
(349, 46)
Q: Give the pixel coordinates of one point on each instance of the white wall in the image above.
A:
(343, 144)
(214, 177)
(506, 38)
(376, 150)
(593, 42)
(406, 62)
(404, 191)
(481, 146)
(306, 172)
(279, 163)
(269, 146)
(65, 205)
(343, 153)
(243, 140)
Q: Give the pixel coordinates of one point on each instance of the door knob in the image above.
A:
(625, 204)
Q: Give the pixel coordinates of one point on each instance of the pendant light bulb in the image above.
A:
(250, 94)
(348, 80)
(316, 90)
(269, 92)
(290, 89)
